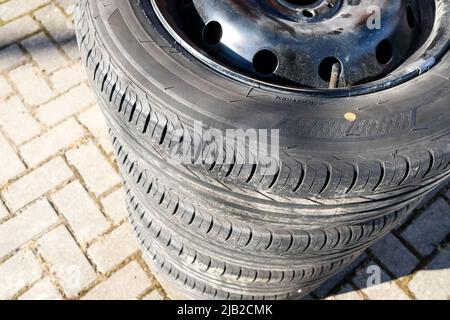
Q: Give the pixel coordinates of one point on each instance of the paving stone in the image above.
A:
(386, 291)
(73, 101)
(17, 29)
(125, 284)
(80, 211)
(94, 120)
(37, 183)
(5, 88)
(15, 8)
(17, 122)
(115, 205)
(331, 283)
(51, 142)
(18, 272)
(67, 78)
(57, 24)
(42, 290)
(114, 248)
(71, 49)
(67, 261)
(11, 57)
(394, 255)
(348, 293)
(17, 231)
(67, 5)
(434, 281)
(3, 211)
(10, 162)
(96, 171)
(447, 195)
(382, 288)
(430, 228)
(154, 295)
(31, 85)
(44, 52)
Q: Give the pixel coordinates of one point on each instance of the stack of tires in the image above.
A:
(350, 169)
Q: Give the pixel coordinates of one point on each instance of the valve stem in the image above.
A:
(335, 74)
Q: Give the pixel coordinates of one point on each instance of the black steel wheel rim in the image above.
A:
(413, 43)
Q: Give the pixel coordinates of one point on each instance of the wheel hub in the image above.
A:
(302, 43)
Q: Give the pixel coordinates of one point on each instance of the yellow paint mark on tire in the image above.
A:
(350, 116)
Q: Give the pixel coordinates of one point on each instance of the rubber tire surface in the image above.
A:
(233, 231)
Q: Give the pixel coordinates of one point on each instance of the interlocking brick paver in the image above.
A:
(80, 211)
(347, 293)
(17, 272)
(3, 211)
(54, 140)
(10, 164)
(17, 122)
(394, 255)
(67, 5)
(331, 283)
(66, 78)
(17, 231)
(94, 120)
(59, 26)
(36, 183)
(66, 105)
(154, 295)
(434, 281)
(376, 284)
(15, 8)
(430, 228)
(71, 49)
(385, 291)
(125, 284)
(41, 290)
(67, 261)
(31, 85)
(44, 52)
(115, 205)
(114, 248)
(11, 57)
(96, 171)
(5, 88)
(17, 29)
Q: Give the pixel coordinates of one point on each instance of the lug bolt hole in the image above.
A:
(308, 13)
(384, 52)
(411, 17)
(212, 33)
(265, 62)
